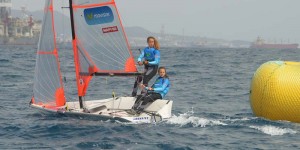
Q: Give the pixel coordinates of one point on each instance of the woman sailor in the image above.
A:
(157, 91)
(150, 58)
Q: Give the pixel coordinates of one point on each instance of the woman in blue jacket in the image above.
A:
(150, 58)
(157, 91)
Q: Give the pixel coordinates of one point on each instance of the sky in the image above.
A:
(273, 20)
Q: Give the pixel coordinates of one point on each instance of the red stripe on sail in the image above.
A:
(76, 61)
(82, 81)
(93, 5)
(53, 26)
(130, 65)
(32, 100)
(60, 97)
(54, 52)
(45, 53)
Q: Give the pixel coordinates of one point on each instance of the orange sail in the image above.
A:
(99, 42)
(48, 87)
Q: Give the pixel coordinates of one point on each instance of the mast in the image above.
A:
(74, 38)
(72, 19)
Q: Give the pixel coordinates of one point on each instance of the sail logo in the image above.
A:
(98, 15)
(148, 54)
(110, 29)
(157, 81)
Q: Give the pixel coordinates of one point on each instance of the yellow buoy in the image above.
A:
(275, 91)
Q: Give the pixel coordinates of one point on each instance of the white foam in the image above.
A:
(240, 119)
(188, 118)
(271, 130)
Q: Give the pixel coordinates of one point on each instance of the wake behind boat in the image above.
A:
(100, 48)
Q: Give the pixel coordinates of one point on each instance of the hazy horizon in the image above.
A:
(228, 19)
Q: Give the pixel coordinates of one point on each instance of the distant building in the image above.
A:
(5, 13)
(17, 31)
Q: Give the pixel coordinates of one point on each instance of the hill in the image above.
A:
(137, 35)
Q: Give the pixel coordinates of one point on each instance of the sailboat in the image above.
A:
(100, 48)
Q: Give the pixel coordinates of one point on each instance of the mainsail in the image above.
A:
(99, 42)
(48, 87)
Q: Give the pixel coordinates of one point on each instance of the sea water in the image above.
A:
(209, 87)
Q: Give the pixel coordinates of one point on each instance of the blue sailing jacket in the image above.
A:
(150, 54)
(161, 86)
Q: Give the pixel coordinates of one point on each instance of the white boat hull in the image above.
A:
(115, 109)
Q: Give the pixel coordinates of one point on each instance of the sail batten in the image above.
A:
(48, 87)
(99, 42)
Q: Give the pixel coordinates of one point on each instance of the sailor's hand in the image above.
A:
(146, 62)
(142, 86)
(140, 63)
(150, 89)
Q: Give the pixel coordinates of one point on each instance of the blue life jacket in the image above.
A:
(150, 54)
(161, 86)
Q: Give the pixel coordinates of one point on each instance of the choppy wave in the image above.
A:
(216, 85)
(188, 118)
(272, 130)
(4, 60)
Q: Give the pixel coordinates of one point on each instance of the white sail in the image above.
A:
(100, 44)
(100, 37)
(48, 87)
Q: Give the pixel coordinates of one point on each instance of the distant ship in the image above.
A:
(260, 43)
